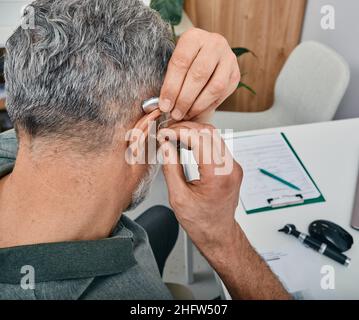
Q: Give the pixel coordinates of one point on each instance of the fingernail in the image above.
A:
(176, 114)
(165, 105)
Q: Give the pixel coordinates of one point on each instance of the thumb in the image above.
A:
(172, 168)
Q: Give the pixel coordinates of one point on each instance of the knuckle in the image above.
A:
(234, 58)
(219, 39)
(217, 87)
(236, 77)
(232, 181)
(181, 106)
(184, 103)
(193, 31)
(235, 64)
(181, 62)
(168, 93)
(176, 200)
(207, 129)
(237, 174)
(199, 74)
(209, 126)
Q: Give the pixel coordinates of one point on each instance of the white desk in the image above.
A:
(330, 151)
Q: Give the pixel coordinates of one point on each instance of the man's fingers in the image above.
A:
(197, 78)
(221, 85)
(172, 168)
(201, 74)
(220, 149)
(185, 53)
(208, 148)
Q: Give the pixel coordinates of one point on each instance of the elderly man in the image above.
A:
(75, 84)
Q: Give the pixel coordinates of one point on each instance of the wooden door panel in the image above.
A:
(270, 28)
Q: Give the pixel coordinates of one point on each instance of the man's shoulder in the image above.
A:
(8, 141)
(8, 151)
(119, 267)
(144, 275)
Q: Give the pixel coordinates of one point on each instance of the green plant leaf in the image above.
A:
(241, 51)
(243, 85)
(170, 10)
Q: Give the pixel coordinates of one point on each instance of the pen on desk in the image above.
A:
(322, 248)
(273, 176)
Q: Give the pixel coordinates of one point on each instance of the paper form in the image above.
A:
(272, 153)
(286, 264)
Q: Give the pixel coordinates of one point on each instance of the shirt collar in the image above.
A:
(69, 260)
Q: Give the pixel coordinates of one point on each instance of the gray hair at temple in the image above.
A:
(85, 68)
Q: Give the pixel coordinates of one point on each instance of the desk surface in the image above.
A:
(330, 151)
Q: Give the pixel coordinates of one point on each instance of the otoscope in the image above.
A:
(310, 242)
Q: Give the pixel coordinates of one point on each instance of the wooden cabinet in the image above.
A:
(270, 28)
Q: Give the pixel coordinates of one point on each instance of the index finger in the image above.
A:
(183, 56)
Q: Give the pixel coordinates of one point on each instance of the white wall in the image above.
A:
(10, 15)
(10, 11)
(344, 39)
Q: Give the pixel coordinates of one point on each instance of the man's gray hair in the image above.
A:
(85, 68)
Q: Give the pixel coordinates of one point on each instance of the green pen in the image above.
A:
(273, 176)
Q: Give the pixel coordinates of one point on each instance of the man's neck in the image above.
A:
(56, 199)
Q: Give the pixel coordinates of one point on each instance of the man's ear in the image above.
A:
(144, 123)
(136, 138)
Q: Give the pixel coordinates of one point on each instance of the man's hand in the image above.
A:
(202, 73)
(206, 209)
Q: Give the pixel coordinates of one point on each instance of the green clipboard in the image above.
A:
(305, 202)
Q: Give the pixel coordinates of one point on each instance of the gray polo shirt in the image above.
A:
(119, 267)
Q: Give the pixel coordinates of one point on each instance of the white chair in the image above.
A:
(309, 89)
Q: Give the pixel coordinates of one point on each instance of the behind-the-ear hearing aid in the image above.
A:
(150, 105)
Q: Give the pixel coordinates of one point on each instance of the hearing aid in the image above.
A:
(150, 105)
